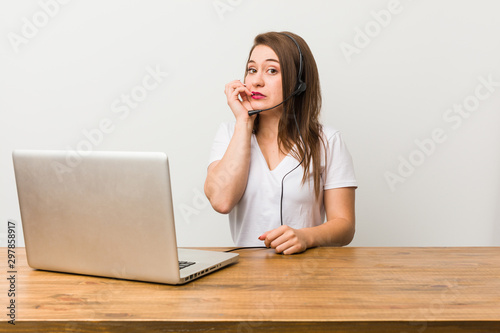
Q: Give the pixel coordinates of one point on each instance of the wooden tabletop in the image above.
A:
(347, 289)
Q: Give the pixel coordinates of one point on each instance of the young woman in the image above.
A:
(277, 173)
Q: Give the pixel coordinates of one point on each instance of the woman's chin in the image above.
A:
(260, 105)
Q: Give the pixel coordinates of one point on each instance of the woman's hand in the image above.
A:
(233, 91)
(285, 240)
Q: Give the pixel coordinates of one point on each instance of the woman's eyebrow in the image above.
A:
(249, 61)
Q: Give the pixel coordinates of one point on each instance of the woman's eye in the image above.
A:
(272, 71)
(251, 70)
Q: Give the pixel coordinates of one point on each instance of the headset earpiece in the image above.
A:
(301, 87)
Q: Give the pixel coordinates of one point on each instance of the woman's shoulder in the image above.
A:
(227, 127)
(329, 132)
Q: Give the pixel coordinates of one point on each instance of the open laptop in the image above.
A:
(106, 214)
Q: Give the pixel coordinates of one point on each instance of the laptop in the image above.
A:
(105, 214)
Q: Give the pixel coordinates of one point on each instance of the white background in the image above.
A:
(413, 67)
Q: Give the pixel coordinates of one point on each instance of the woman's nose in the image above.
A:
(255, 80)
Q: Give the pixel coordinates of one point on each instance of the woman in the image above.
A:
(278, 172)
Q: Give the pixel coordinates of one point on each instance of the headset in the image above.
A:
(300, 87)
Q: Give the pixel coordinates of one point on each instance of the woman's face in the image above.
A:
(263, 78)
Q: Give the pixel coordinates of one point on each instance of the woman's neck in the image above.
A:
(268, 126)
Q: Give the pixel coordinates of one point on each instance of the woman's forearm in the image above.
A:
(226, 181)
(335, 232)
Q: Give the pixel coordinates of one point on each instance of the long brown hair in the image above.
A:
(306, 106)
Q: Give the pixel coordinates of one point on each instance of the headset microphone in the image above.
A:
(299, 88)
(252, 112)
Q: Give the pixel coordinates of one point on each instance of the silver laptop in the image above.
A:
(106, 214)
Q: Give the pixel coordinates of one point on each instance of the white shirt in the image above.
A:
(258, 210)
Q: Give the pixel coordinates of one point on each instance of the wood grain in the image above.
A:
(324, 289)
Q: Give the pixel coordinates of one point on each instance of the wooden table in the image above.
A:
(323, 290)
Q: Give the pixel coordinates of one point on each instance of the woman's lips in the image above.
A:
(257, 95)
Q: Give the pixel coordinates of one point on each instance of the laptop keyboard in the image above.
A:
(184, 264)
